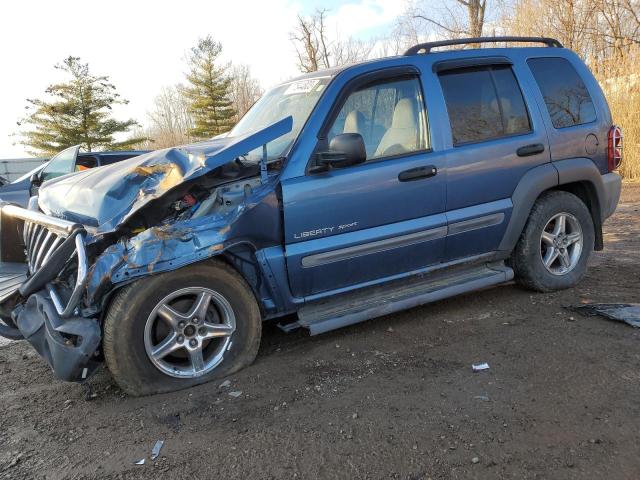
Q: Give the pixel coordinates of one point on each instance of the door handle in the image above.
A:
(418, 173)
(529, 150)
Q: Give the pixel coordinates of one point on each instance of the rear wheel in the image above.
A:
(180, 329)
(556, 243)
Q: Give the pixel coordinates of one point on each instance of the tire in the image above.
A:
(527, 258)
(137, 313)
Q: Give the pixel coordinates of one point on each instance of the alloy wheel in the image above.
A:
(561, 243)
(189, 331)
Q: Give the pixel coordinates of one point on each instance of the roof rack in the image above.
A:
(426, 47)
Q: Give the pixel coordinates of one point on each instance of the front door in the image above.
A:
(385, 217)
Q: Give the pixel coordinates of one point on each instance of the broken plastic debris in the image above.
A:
(225, 384)
(478, 367)
(140, 462)
(155, 453)
(622, 312)
(484, 398)
(235, 394)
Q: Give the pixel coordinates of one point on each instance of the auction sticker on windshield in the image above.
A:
(303, 86)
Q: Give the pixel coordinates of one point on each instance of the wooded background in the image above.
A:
(215, 94)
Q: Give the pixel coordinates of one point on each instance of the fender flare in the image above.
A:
(602, 200)
(529, 188)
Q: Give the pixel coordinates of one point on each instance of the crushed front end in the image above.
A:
(91, 232)
(43, 274)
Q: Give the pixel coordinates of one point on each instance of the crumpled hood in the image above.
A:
(106, 197)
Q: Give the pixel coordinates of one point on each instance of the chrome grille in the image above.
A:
(43, 235)
(39, 243)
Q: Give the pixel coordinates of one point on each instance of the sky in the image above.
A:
(141, 44)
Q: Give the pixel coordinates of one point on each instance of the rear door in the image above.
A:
(496, 137)
(349, 226)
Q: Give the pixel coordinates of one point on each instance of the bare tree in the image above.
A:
(245, 90)
(618, 26)
(598, 30)
(408, 30)
(308, 41)
(317, 48)
(350, 50)
(169, 120)
(455, 18)
(567, 20)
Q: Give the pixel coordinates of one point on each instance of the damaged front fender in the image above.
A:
(174, 245)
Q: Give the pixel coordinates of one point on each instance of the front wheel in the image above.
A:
(181, 328)
(554, 248)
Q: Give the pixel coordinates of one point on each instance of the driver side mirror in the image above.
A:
(345, 150)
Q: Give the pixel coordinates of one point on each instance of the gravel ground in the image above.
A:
(394, 397)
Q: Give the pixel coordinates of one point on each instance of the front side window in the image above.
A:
(484, 103)
(390, 116)
(565, 94)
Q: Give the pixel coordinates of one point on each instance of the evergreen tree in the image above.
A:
(209, 91)
(78, 112)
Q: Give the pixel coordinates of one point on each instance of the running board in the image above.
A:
(354, 307)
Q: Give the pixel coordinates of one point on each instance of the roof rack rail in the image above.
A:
(426, 47)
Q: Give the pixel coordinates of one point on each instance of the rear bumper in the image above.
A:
(612, 186)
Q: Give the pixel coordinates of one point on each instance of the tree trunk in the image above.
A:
(475, 11)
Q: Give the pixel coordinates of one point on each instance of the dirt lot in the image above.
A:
(391, 398)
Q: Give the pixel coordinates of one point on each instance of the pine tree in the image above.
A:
(209, 91)
(77, 112)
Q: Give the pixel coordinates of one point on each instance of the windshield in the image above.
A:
(295, 99)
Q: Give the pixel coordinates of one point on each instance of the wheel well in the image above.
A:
(242, 259)
(586, 192)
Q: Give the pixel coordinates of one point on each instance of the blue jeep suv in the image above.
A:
(342, 195)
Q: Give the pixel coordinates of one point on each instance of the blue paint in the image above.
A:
(293, 214)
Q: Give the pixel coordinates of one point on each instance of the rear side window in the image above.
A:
(484, 103)
(567, 98)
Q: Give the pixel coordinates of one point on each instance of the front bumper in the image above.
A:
(43, 307)
(70, 345)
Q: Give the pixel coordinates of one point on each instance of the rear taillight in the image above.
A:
(614, 148)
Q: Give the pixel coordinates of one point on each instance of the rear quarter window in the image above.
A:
(565, 94)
